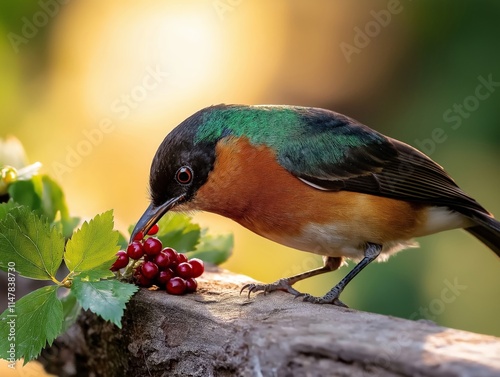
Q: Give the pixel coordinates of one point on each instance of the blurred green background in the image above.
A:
(91, 88)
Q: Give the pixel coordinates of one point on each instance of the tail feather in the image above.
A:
(487, 231)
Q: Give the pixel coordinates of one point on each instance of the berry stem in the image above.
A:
(129, 270)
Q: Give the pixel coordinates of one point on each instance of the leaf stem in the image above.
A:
(53, 278)
(66, 282)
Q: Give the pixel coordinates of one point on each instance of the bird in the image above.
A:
(310, 179)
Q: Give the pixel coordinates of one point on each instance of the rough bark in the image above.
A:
(217, 332)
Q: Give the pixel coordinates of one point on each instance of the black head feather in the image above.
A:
(178, 150)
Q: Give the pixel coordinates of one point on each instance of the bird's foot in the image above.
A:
(331, 297)
(280, 285)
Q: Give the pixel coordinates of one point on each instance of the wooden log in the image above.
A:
(217, 332)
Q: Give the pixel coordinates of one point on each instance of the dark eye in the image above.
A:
(184, 175)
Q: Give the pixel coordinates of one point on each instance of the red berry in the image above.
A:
(176, 286)
(139, 236)
(121, 261)
(142, 281)
(154, 229)
(152, 246)
(184, 270)
(134, 250)
(198, 267)
(149, 258)
(149, 270)
(164, 276)
(191, 285)
(172, 255)
(162, 260)
(181, 258)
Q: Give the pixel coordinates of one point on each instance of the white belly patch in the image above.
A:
(443, 218)
(329, 240)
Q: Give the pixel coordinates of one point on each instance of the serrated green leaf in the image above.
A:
(71, 310)
(106, 298)
(98, 273)
(179, 232)
(31, 244)
(43, 194)
(36, 320)
(6, 207)
(214, 249)
(93, 247)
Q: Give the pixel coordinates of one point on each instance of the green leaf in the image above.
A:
(106, 298)
(53, 202)
(53, 199)
(214, 249)
(71, 310)
(178, 232)
(44, 194)
(27, 193)
(67, 226)
(98, 274)
(31, 244)
(6, 207)
(93, 247)
(36, 320)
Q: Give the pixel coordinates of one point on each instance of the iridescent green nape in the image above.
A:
(306, 140)
(269, 125)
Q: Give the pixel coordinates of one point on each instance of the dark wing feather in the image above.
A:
(330, 146)
(377, 165)
(411, 176)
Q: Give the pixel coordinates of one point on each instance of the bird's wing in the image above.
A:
(331, 146)
(350, 156)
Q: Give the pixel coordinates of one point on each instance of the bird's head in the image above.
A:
(180, 167)
(187, 156)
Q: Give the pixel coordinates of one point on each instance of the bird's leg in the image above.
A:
(332, 297)
(285, 284)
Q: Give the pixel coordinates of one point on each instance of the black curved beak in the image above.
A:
(153, 214)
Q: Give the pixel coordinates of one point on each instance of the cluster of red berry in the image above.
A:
(163, 267)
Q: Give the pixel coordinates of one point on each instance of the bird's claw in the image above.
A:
(331, 297)
(280, 285)
(252, 288)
